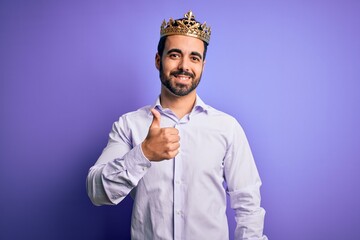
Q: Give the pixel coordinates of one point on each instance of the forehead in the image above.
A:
(184, 43)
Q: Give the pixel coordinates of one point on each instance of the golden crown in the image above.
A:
(187, 26)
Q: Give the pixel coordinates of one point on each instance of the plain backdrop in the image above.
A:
(289, 71)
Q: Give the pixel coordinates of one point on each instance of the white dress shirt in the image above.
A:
(184, 197)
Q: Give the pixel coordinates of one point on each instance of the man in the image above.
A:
(173, 157)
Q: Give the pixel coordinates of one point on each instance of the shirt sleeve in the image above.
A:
(243, 186)
(118, 169)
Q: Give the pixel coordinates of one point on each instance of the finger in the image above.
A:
(168, 147)
(156, 119)
(173, 138)
(174, 146)
(171, 131)
(173, 154)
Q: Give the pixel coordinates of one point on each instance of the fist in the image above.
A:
(160, 143)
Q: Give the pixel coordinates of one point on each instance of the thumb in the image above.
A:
(156, 120)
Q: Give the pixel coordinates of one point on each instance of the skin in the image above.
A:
(180, 66)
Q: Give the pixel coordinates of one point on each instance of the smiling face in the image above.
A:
(181, 64)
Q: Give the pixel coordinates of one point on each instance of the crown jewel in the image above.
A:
(187, 26)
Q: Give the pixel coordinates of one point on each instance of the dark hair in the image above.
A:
(161, 46)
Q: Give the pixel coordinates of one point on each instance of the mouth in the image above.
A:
(181, 77)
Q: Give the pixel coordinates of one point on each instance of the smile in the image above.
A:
(182, 77)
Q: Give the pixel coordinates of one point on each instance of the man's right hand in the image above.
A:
(160, 143)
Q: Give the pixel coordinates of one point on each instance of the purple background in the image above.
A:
(289, 71)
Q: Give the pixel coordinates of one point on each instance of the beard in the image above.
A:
(176, 88)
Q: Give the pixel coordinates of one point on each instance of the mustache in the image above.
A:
(182, 72)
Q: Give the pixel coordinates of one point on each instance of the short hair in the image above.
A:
(161, 46)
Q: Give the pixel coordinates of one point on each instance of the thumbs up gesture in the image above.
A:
(160, 143)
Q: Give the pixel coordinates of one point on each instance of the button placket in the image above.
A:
(178, 192)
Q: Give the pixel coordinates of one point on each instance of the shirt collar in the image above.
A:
(199, 106)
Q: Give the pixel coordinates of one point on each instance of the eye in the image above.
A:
(174, 55)
(195, 59)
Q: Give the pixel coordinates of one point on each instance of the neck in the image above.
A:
(180, 105)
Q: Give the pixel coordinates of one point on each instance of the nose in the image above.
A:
(184, 65)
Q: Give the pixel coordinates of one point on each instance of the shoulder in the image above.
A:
(131, 122)
(225, 122)
(229, 126)
(142, 112)
(133, 118)
(221, 116)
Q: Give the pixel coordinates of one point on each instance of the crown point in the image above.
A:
(163, 24)
(189, 15)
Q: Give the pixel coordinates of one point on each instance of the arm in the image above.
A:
(243, 186)
(121, 166)
(118, 169)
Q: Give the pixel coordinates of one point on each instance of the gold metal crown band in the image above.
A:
(187, 26)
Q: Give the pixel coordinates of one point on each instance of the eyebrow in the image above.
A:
(174, 50)
(179, 51)
(196, 54)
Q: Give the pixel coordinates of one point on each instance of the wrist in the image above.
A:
(145, 150)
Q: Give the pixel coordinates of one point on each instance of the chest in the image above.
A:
(203, 146)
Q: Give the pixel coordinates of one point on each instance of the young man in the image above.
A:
(174, 156)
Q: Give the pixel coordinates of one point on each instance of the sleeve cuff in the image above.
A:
(137, 161)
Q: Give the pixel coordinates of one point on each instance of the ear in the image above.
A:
(157, 61)
(204, 64)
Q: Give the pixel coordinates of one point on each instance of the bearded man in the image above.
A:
(174, 156)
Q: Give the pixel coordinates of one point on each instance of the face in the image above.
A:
(181, 64)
